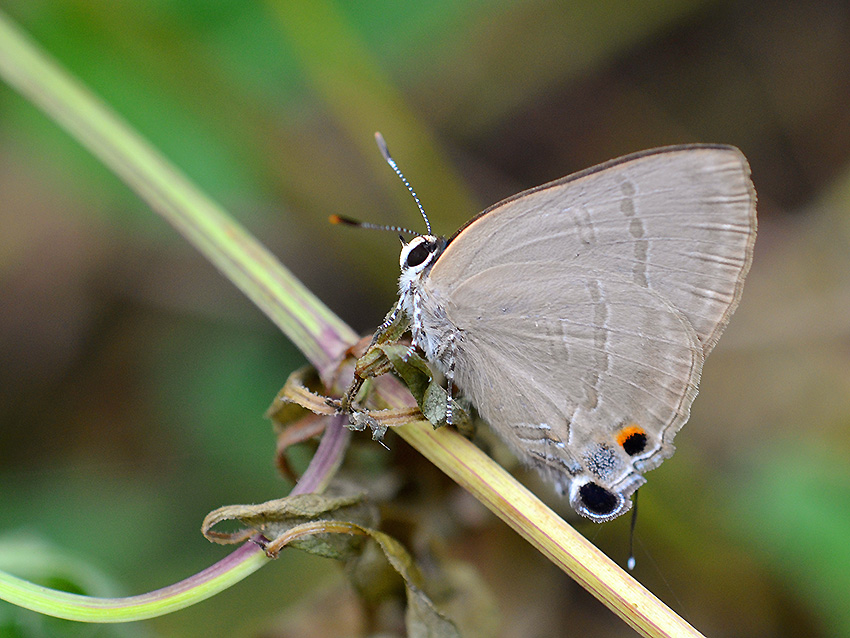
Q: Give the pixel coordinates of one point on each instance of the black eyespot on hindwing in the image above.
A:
(597, 499)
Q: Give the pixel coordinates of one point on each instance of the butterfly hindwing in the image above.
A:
(563, 363)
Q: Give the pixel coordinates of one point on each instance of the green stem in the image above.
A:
(314, 329)
(224, 574)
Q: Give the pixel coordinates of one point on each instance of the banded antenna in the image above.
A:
(382, 145)
(350, 221)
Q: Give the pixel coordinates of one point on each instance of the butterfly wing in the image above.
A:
(679, 221)
(581, 311)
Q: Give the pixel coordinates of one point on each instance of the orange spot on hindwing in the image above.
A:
(632, 439)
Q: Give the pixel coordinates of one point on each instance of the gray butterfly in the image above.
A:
(576, 316)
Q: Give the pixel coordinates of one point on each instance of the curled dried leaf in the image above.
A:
(333, 527)
(301, 389)
(275, 519)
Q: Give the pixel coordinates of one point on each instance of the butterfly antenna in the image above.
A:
(348, 221)
(382, 146)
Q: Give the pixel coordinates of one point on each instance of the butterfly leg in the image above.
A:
(450, 377)
(389, 320)
(393, 326)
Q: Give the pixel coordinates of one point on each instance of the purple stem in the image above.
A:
(327, 456)
(325, 460)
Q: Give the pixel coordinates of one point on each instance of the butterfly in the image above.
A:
(576, 316)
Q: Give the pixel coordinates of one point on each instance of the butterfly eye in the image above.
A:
(418, 254)
(632, 439)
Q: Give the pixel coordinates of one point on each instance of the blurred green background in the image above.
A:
(133, 377)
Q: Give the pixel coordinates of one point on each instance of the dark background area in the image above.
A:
(133, 377)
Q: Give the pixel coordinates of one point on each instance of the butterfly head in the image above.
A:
(417, 257)
(420, 252)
